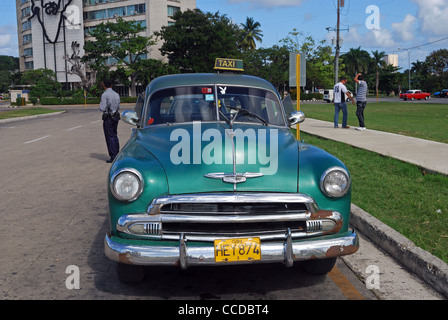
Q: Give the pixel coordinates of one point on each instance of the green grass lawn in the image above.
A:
(421, 120)
(400, 194)
(15, 113)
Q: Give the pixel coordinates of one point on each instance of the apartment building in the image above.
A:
(48, 30)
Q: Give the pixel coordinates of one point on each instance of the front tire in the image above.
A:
(318, 266)
(128, 273)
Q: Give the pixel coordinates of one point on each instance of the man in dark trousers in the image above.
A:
(109, 105)
(361, 101)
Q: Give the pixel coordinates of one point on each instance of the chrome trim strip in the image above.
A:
(127, 220)
(288, 252)
(204, 255)
(183, 260)
(233, 177)
(227, 198)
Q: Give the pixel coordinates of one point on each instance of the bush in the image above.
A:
(69, 101)
(128, 99)
(50, 101)
(310, 96)
(33, 100)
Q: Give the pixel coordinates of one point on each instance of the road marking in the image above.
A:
(74, 128)
(344, 285)
(36, 139)
(95, 121)
(8, 127)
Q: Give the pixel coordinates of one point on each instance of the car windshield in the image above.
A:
(245, 104)
(198, 103)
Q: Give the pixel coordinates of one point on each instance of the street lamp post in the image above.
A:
(409, 67)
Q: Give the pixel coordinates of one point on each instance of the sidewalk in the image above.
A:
(432, 156)
(429, 155)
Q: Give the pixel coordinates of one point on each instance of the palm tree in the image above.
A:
(379, 63)
(250, 34)
(356, 60)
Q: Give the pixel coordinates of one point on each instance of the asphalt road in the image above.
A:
(54, 218)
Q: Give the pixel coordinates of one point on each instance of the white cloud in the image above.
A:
(269, 3)
(8, 41)
(406, 29)
(432, 15)
(5, 40)
(371, 39)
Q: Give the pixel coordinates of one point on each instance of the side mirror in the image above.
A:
(130, 117)
(296, 117)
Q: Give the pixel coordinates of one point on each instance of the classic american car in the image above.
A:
(212, 175)
(414, 94)
(441, 94)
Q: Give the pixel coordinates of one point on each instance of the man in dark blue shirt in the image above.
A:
(109, 105)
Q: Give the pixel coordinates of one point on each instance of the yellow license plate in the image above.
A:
(243, 249)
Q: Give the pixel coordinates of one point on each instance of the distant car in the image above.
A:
(414, 94)
(441, 94)
(328, 95)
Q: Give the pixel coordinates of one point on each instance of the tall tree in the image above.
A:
(356, 60)
(250, 33)
(437, 62)
(80, 68)
(43, 82)
(196, 39)
(119, 45)
(379, 63)
(8, 65)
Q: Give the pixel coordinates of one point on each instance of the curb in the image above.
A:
(429, 268)
(32, 117)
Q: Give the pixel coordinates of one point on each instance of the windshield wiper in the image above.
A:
(247, 112)
(243, 112)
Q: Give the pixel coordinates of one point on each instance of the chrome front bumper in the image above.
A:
(184, 255)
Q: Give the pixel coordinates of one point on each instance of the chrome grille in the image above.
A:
(205, 217)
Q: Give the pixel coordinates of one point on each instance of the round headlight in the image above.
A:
(335, 182)
(127, 185)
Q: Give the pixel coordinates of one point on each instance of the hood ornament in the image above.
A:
(233, 177)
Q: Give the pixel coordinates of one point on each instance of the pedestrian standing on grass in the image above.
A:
(361, 101)
(109, 105)
(340, 90)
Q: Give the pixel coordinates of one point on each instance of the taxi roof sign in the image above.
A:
(229, 64)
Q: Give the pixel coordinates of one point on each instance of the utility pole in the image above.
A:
(336, 61)
(338, 39)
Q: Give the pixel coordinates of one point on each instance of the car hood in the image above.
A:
(196, 156)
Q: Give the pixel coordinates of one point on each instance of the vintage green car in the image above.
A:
(212, 175)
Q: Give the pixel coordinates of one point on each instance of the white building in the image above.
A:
(47, 29)
(391, 59)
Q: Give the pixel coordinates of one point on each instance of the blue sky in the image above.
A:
(384, 25)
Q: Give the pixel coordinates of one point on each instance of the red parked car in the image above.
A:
(414, 94)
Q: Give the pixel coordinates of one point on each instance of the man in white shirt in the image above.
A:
(340, 90)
